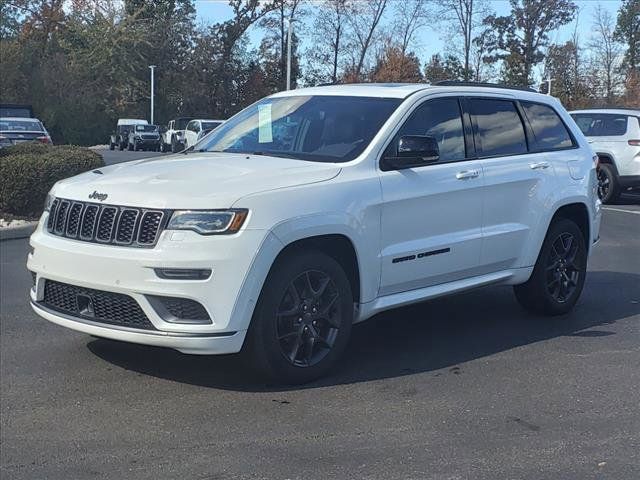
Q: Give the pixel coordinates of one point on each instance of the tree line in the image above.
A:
(84, 63)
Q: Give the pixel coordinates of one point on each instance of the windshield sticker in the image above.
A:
(265, 134)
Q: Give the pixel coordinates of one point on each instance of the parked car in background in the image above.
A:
(206, 132)
(120, 138)
(16, 110)
(614, 135)
(317, 208)
(194, 130)
(173, 136)
(144, 137)
(14, 130)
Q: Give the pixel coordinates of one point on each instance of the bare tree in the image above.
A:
(606, 51)
(329, 37)
(464, 17)
(409, 17)
(277, 24)
(364, 19)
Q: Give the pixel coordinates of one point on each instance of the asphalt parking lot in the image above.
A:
(465, 387)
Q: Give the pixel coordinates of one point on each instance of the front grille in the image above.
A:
(149, 137)
(107, 224)
(95, 305)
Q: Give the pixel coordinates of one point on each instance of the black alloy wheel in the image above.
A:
(302, 322)
(308, 318)
(559, 273)
(562, 272)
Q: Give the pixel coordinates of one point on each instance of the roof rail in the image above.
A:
(455, 83)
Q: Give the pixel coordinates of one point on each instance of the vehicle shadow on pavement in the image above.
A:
(439, 334)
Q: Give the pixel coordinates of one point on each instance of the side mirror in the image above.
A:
(412, 151)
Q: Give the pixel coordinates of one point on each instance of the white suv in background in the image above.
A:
(195, 129)
(317, 208)
(614, 134)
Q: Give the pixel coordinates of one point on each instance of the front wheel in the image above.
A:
(303, 319)
(559, 273)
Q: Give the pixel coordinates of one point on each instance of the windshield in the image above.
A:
(20, 125)
(316, 128)
(146, 128)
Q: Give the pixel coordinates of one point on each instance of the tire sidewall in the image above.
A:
(559, 227)
(262, 332)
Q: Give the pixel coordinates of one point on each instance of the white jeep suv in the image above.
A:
(614, 134)
(314, 209)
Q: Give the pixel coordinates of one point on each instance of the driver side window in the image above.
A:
(441, 119)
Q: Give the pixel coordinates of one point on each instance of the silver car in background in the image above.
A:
(614, 135)
(14, 130)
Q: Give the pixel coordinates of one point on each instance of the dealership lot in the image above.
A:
(464, 387)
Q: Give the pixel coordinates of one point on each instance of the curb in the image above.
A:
(22, 231)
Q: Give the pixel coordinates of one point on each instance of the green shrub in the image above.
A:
(29, 170)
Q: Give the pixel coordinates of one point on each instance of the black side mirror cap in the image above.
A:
(412, 151)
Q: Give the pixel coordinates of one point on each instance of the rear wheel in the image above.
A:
(608, 185)
(303, 319)
(559, 273)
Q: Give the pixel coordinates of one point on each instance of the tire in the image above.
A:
(162, 148)
(558, 275)
(608, 185)
(130, 147)
(121, 146)
(174, 149)
(304, 343)
(112, 146)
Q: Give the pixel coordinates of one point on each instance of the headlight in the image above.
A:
(48, 201)
(208, 222)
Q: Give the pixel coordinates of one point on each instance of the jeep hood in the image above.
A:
(193, 181)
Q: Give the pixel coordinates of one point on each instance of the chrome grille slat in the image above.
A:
(106, 224)
(73, 222)
(61, 217)
(89, 222)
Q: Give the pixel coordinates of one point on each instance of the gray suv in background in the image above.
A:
(614, 135)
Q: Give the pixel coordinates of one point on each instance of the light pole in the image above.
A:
(290, 21)
(152, 67)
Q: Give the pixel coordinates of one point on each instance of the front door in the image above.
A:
(431, 215)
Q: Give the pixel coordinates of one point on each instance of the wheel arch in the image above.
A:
(579, 214)
(336, 245)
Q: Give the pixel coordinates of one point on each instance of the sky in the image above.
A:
(429, 40)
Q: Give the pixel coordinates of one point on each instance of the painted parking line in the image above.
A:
(636, 212)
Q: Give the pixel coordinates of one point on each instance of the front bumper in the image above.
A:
(227, 295)
(192, 343)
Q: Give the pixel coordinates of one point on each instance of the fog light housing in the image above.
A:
(179, 310)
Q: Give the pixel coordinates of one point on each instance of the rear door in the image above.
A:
(431, 215)
(517, 183)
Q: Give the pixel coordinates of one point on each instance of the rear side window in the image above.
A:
(439, 118)
(548, 129)
(499, 127)
(601, 124)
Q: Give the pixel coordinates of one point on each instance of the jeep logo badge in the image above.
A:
(98, 196)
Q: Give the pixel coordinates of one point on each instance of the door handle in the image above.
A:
(539, 165)
(466, 174)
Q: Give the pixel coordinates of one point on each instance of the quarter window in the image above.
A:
(548, 129)
(439, 118)
(499, 127)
